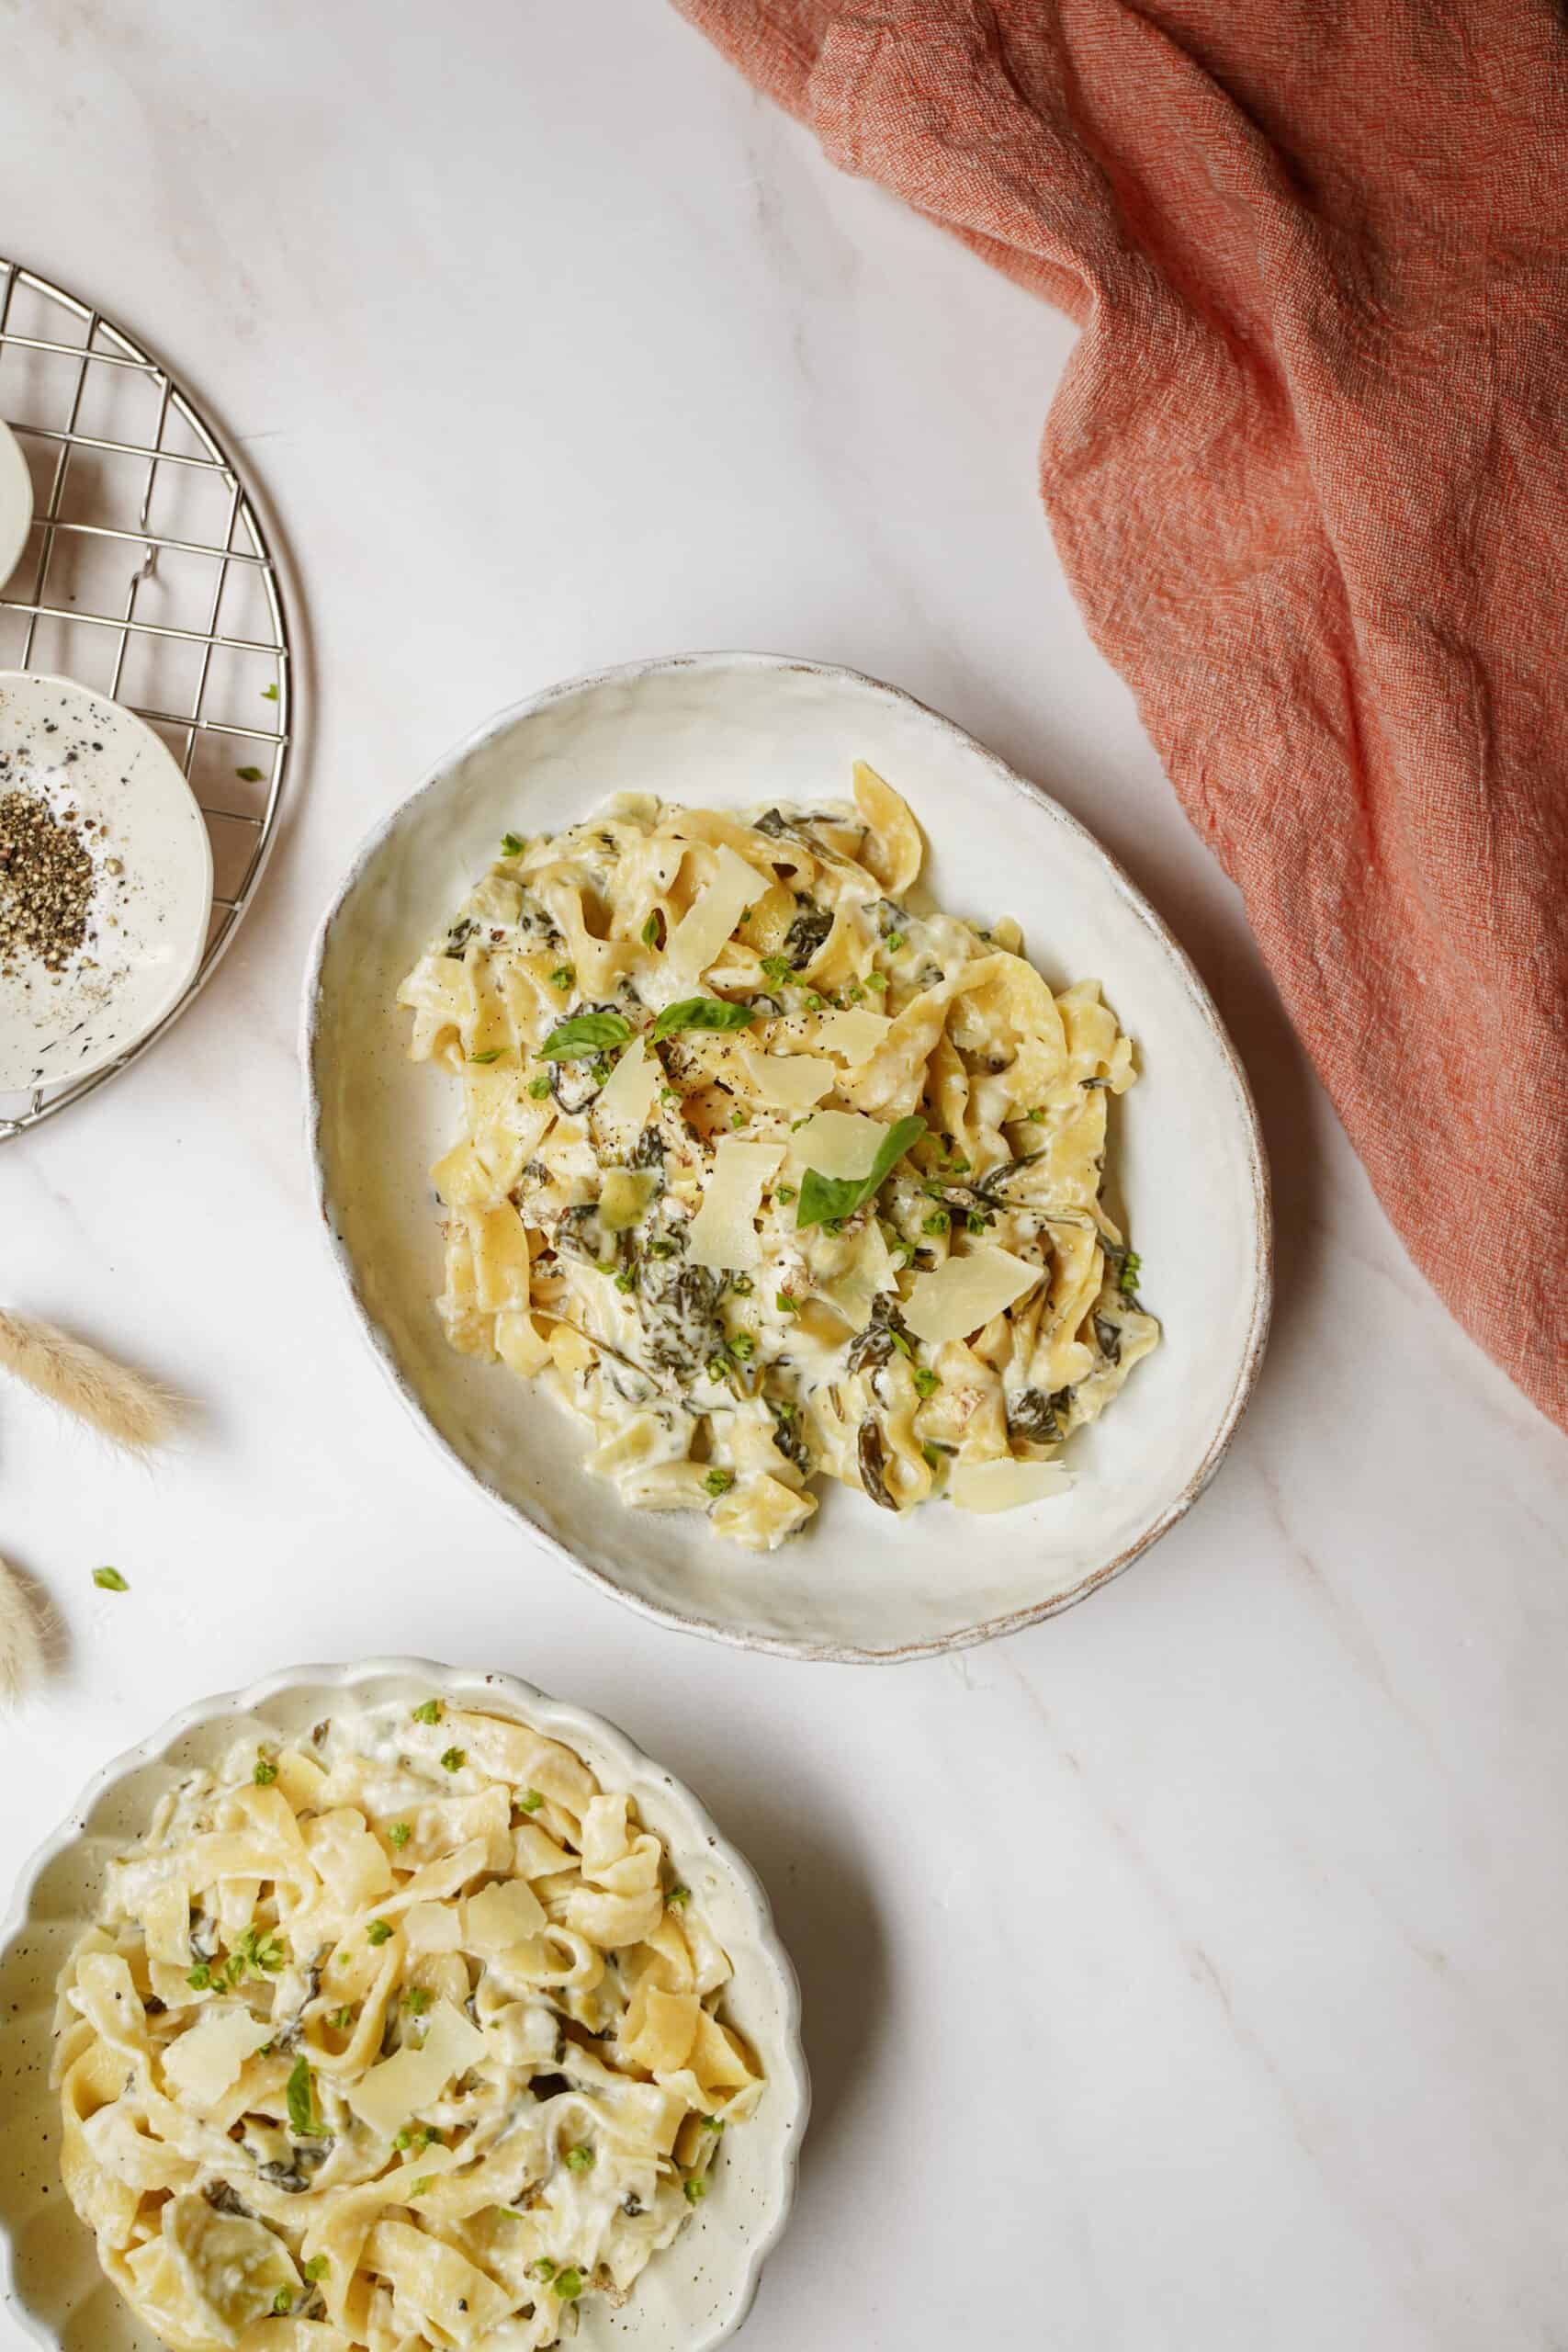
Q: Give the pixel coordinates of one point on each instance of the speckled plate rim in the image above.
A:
(561, 1719)
(1040, 801)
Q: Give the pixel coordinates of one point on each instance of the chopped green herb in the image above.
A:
(316, 2268)
(813, 1001)
(677, 1896)
(109, 1580)
(712, 2122)
(737, 1118)
(877, 980)
(933, 1459)
(283, 2301)
(702, 1012)
(454, 1758)
(626, 1279)
(777, 968)
(719, 1482)
(938, 1222)
(899, 1341)
(342, 2021)
(668, 1094)
(301, 2096)
(958, 1166)
(269, 694)
(785, 1305)
(783, 1192)
(378, 1930)
(431, 1711)
(718, 1369)
(742, 1347)
(925, 1380)
(1038, 1113)
(823, 1197)
(579, 2159)
(1132, 1267)
(562, 977)
(894, 941)
(975, 1220)
(399, 1834)
(586, 1034)
(650, 930)
(544, 2270)
(512, 844)
(569, 2285)
(200, 1977)
(530, 1801)
(538, 1088)
(693, 2190)
(856, 991)
(418, 2000)
(250, 776)
(265, 1771)
(493, 1055)
(741, 1285)
(602, 1069)
(425, 2181)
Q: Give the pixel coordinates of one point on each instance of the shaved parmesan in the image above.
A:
(394, 2091)
(203, 2062)
(431, 1926)
(626, 1102)
(838, 1143)
(703, 932)
(1006, 1486)
(853, 1035)
(787, 1081)
(965, 1292)
(723, 1234)
(624, 1198)
(501, 1915)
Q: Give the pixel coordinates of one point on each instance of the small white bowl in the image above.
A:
(16, 502)
(152, 885)
(731, 729)
(691, 2299)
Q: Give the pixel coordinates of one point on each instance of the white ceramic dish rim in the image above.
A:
(13, 466)
(775, 1644)
(564, 1720)
(121, 1048)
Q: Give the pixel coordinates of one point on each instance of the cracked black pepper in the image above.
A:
(45, 884)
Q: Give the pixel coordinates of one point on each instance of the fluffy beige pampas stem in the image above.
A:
(21, 1637)
(123, 1405)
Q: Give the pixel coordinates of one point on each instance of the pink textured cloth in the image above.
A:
(1308, 473)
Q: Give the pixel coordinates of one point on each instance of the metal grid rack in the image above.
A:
(147, 577)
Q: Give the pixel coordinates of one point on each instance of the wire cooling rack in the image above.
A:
(146, 577)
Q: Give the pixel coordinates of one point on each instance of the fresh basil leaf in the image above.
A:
(589, 1033)
(702, 1012)
(301, 2097)
(830, 1198)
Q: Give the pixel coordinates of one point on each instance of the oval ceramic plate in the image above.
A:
(733, 731)
(97, 766)
(689, 2299)
(16, 502)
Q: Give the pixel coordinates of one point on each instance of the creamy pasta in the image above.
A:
(397, 2039)
(769, 1168)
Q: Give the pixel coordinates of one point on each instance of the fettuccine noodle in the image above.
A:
(769, 1168)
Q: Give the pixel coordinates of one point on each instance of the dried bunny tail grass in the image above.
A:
(23, 1638)
(128, 1408)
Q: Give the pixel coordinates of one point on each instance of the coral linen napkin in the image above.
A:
(1307, 474)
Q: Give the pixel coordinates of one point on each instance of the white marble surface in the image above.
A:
(1190, 1972)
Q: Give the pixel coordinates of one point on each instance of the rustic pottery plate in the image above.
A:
(691, 2299)
(731, 729)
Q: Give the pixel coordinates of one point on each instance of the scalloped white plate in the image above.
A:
(729, 729)
(152, 888)
(691, 2298)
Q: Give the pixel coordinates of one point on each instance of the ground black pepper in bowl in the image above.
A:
(45, 884)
